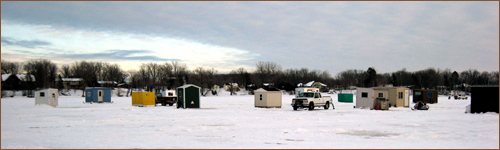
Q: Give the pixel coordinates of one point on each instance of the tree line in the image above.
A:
(156, 76)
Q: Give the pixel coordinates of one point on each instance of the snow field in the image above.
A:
(226, 121)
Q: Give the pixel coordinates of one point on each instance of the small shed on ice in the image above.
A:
(426, 96)
(143, 99)
(364, 98)
(98, 95)
(345, 97)
(380, 100)
(484, 99)
(398, 96)
(188, 96)
(268, 98)
(47, 96)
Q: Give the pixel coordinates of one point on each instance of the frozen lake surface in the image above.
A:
(226, 121)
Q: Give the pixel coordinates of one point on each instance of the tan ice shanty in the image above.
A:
(268, 98)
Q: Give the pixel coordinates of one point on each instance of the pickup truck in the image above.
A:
(311, 100)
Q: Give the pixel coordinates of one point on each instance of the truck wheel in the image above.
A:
(327, 105)
(170, 104)
(294, 108)
(163, 104)
(311, 106)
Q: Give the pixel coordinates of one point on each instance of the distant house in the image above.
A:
(228, 86)
(70, 83)
(17, 82)
(107, 83)
(321, 86)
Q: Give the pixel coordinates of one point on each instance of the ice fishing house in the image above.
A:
(188, 96)
(98, 95)
(372, 99)
(426, 96)
(268, 98)
(364, 98)
(47, 96)
(345, 97)
(398, 96)
(484, 99)
(143, 99)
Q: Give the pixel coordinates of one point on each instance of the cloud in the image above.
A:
(128, 55)
(332, 36)
(24, 43)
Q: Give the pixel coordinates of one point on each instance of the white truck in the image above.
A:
(311, 100)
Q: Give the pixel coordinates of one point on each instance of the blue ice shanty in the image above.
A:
(98, 95)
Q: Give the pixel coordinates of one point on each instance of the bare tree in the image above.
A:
(241, 76)
(11, 67)
(370, 78)
(43, 70)
(65, 71)
(351, 78)
(205, 78)
(112, 72)
(470, 76)
(88, 71)
(267, 72)
(179, 71)
(494, 78)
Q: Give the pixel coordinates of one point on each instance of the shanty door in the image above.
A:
(99, 96)
(407, 98)
(180, 98)
(53, 99)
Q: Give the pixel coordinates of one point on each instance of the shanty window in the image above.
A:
(429, 95)
(400, 95)
(260, 96)
(418, 93)
(42, 94)
(380, 94)
(88, 94)
(364, 95)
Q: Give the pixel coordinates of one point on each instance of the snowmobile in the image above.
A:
(420, 106)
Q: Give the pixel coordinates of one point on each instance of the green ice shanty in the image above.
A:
(188, 96)
(345, 97)
(98, 95)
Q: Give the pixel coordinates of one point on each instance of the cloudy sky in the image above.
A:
(332, 36)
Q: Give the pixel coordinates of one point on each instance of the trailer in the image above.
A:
(305, 89)
(166, 97)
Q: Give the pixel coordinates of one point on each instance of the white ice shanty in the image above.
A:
(372, 98)
(268, 98)
(364, 98)
(47, 96)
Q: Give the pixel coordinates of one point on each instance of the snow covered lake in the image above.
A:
(226, 121)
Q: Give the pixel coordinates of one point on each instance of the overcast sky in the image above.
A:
(332, 36)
